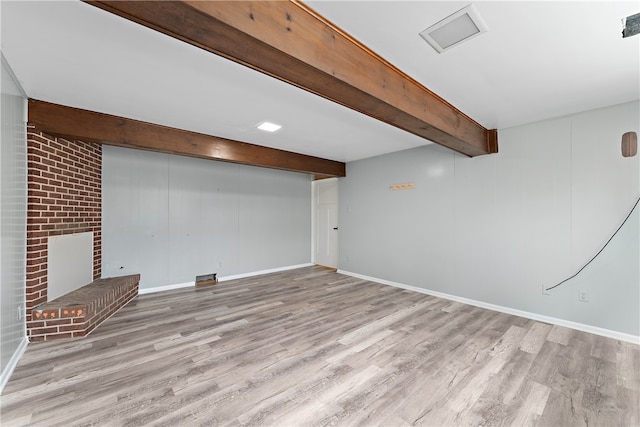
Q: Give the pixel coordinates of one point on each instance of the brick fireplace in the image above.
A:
(64, 197)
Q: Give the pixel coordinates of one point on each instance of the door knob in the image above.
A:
(335, 228)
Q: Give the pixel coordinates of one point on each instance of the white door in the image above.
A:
(327, 235)
(326, 222)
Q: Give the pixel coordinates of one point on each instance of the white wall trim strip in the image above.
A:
(142, 291)
(17, 355)
(222, 279)
(533, 316)
(261, 272)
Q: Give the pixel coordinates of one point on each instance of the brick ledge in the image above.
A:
(79, 312)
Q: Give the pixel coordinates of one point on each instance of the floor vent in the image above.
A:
(207, 279)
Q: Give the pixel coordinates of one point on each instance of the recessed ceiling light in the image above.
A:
(461, 26)
(268, 126)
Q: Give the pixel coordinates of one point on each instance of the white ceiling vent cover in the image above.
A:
(461, 26)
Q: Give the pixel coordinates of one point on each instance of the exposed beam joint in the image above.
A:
(291, 42)
(74, 123)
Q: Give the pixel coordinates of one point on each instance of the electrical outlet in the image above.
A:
(19, 313)
(583, 296)
(545, 291)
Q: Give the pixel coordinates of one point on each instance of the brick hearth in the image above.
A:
(79, 312)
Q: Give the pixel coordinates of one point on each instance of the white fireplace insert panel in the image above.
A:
(70, 262)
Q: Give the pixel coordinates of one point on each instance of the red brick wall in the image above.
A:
(65, 196)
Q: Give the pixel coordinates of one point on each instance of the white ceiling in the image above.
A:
(538, 60)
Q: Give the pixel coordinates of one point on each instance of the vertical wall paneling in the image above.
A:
(405, 236)
(598, 193)
(13, 219)
(605, 185)
(171, 218)
(274, 218)
(137, 185)
(496, 229)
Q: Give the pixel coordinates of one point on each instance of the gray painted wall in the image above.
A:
(13, 219)
(497, 228)
(171, 218)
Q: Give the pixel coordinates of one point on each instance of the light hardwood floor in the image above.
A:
(313, 347)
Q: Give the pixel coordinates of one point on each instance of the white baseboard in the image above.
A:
(142, 291)
(6, 373)
(258, 273)
(533, 316)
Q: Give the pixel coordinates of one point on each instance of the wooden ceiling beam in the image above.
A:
(74, 123)
(291, 42)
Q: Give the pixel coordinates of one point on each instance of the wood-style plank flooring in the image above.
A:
(313, 347)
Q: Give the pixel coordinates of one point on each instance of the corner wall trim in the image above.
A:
(142, 291)
(13, 362)
(633, 339)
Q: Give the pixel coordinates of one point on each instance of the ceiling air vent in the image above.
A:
(461, 26)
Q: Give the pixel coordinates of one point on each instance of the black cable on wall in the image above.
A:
(605, 245)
